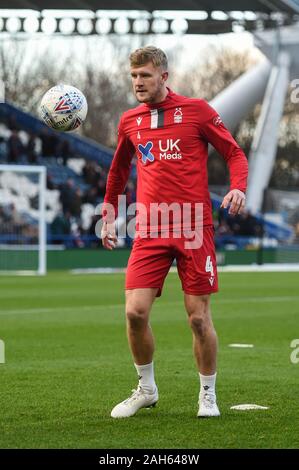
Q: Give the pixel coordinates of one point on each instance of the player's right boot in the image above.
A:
(207, 406)
(139, 399)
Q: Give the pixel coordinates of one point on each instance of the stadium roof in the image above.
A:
(265, 6)
(196, 17)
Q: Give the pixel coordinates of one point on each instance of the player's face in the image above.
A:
(149, 83)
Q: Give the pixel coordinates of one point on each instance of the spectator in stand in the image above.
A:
(49, 143)
(67, 191)
(61, 228)
(76, 203)
(50, 183)
(101, 188)
(91, 196)
(2, 217)
(244, 224)
(31, 149)
(65, 151)
(15, 147)
(3, 148)
(96, 240)
(92, 173)
(12, 123)
(223, 229)
(89, 173)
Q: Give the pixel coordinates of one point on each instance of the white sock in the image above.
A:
(146, 376)
(207, 383)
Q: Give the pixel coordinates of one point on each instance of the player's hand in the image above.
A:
(236, 200)
(108, 236)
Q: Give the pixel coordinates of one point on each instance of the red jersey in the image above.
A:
(170, 140)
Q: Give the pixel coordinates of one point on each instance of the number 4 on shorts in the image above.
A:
(209, 266)
(210, 269)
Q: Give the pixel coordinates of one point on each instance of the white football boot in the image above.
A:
(139, 399)
(207, 406)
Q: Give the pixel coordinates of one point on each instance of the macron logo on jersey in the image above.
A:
(145, 151)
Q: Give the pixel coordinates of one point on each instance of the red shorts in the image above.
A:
(151, 259)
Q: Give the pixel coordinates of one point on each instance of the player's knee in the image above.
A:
(199, 317)
(199, 307)
(136, 316)
(199, 325)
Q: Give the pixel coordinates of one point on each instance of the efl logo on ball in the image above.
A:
(63, 108)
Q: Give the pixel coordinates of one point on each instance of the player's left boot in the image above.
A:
(207, 406)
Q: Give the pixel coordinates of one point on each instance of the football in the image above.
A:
(63, 108)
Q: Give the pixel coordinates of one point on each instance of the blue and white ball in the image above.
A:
(63, 108)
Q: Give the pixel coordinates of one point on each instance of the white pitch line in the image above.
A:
(256, 268)
(249, 406)
(85, 308)
(241, 300)
(246, 300)
(175, 302)
(231, 268)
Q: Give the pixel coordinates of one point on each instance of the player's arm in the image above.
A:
(116, 182)
(215, 132)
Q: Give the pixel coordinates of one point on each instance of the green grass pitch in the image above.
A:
(68, 363)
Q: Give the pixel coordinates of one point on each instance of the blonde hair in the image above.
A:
(147, 54)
